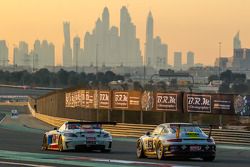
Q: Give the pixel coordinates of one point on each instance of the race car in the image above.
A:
(177, 140)
(78, 135)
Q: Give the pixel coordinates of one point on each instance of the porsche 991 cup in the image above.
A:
(177, 139)
(79, 135)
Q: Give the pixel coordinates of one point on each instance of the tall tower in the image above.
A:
(105, 18)
(67, 51)
(76, 52)
(236, 41)
(177, 60)
(190, 59)
(4, 53)
(149, 59)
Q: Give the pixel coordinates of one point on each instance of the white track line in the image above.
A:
(3, 119)
(22, 164)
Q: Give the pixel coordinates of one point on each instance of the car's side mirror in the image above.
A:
(148, 133)
(55, 128)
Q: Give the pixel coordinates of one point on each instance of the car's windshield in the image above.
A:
(186, 129)
(82, 126)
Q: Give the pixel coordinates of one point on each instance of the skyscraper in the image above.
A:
(21, 55)
(67, 51)
(149, 41)
(178, 60)
(4, 53)
(155, 50)
(236, 41)
(190, 59)
(76, 51)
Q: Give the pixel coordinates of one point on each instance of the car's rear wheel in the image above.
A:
(210, 158)
(160, 151)
(140, 150)
(60, 144)
(45, 143)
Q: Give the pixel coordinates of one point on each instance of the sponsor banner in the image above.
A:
(222, 104)
(91, 97)
(242, 105)
(166, 101)
(209, 103)
(198, 103)
(75, 99)
(120, 100)
(147, 101)
(104, 99)
(134, 100)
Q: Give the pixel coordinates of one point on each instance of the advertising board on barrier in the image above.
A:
(134, 100)
(222, 104)
(147, 101)
(198, 103)
(104, 99)
(166, 101)
(242, 105)
(91, 98)
(75, 99)
(120, 100)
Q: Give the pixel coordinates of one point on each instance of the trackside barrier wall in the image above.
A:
(136, 130)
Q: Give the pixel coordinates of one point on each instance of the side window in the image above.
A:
(157, 130)
(165, 131)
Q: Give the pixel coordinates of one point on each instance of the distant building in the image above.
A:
(21, 55)
(4, 53)
(76, 51)
(190, 59)
(43, 54)
(104, 46)
(155, 52)
(67, 51)
(241, 59)
(236, 41)
(177, 60)
(222, 62)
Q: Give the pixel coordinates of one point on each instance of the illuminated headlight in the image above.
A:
(69, 135)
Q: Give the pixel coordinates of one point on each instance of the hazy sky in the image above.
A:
(196, 25)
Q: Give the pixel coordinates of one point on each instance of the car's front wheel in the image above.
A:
(140, 150)
(160, 151)
(210, 158)
(60, 144)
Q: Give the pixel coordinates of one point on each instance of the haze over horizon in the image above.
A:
(183, 25)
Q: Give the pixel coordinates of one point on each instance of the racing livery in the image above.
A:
(177, 139)
(78, 135)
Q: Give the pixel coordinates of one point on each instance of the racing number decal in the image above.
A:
(150, 144)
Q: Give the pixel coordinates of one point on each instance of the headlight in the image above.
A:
(69, 135)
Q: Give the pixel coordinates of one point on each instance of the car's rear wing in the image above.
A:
(92, 122)
(178, 127)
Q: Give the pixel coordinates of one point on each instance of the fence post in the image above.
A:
(108, 115)
(123, 116)
(164, 117)
(141, 117)
(190, 118)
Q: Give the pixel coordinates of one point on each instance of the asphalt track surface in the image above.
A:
(20, 141)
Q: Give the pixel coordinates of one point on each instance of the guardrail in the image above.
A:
(223, 136)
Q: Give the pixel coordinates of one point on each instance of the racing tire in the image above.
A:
(140, 150)
(60, 144)
(160, 151)
(210, 158)
(45, 143)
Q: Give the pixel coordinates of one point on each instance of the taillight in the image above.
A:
(210, 140)
(174, 140)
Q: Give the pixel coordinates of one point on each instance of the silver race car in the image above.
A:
(177, 139)
(79, 135)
